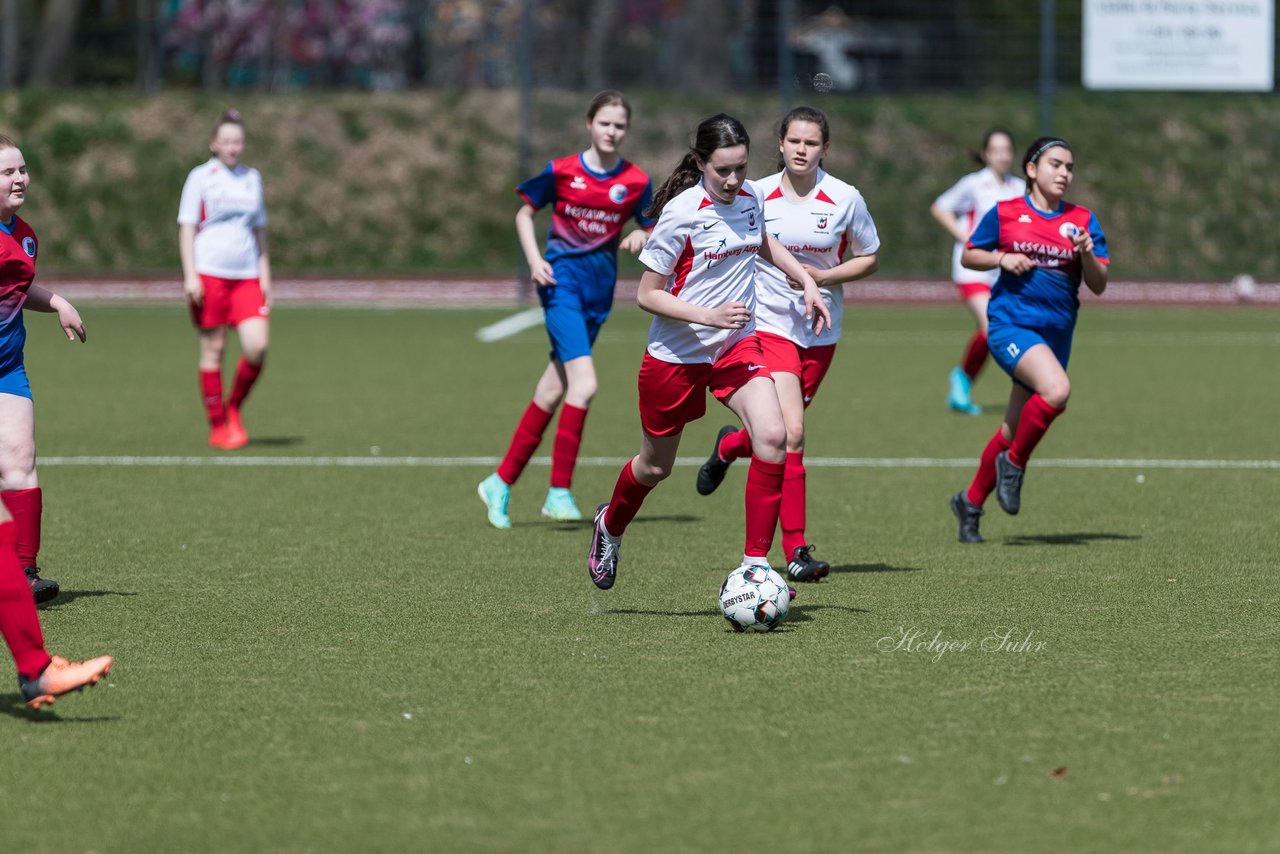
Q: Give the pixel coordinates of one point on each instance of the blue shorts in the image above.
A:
(575, 308)
(14, 382)
(1008, 342)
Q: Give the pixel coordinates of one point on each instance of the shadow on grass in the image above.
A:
(875, 567)
(800, 613)
(640, 612)
(276, 441)
(588, 522)
(66, 597)
(13, 706)
(1077, 539)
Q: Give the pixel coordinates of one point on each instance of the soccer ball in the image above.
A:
(754, 599)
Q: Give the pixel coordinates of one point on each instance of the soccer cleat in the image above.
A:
(218, 437)
(711, 475)
(560, 506)
(496, 494)
(602, 560)
(805, 567)
(967, 515)
(791, 593)
(43, 589)
(236, 437)
(62, 677)
(959, 399)
(1008, 484)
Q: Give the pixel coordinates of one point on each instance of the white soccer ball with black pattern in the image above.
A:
(754, 599)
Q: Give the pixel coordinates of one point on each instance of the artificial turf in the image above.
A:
(347, 658)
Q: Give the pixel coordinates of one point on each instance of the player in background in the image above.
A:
(226, 273)
(699, 284)
(594, 193)
(1043, 247)
(819, 219)
(959, 210)
(19, 486)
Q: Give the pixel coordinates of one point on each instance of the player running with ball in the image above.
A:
(700, 285)
(1044, 247)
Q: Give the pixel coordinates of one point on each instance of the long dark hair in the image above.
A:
(980, 156)
(803, 114)
(719, 131)
(1040, 146)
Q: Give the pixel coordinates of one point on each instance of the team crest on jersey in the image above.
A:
(751, 220)
(822, 222)
(29, 247)
(577, 183)
(1068, 230)
(1024, 218)
(618, 193)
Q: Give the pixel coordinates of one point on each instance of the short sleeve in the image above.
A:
(1099, 240)
(959, 199)
(666, 243)
(192, 196)
(987, 234)
(863, 237)
(540, 190)
(646, 199)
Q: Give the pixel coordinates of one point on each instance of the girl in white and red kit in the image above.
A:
(700, 283)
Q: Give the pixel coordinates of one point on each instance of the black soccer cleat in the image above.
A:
(805, 567)
(1008, 484)
(43, 589)
(967, 515)
(711, 475)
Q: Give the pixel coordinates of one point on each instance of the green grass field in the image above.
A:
(325, 658)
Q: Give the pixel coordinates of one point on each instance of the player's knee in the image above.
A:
(769, 440)
(581, 392)
(1057, 393)
(651, 472)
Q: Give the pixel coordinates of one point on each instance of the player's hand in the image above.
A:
(194, 290)
(267, 298)
(814, 272)
(1016, 263)
(731, 315)
(1083, 241)
(815, 308)
(542, 274)
(634, 241)
(69, 320)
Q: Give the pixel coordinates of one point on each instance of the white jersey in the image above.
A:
(969, 199)
(817, 231)
(225, 205)
(707, 251)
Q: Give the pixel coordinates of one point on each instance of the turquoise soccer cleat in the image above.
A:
(560, 506)
(496, 494)
(958, 400)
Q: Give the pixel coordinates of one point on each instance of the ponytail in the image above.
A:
(686, 174)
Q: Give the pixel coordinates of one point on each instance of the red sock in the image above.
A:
(735, 446)
(791, 514)
(246, 376)
(564, 453)
(764, 495)
(524, 442)
(975, 355)
(18, 620)
(628, 495)
(984, 480)
(25, 506)
(211, 390)
(1032, 424)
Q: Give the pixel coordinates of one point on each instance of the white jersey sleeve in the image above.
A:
(225, 205)
(820, 232)
(969, 199)
(707, 252)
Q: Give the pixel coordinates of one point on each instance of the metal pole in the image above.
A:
(1048, 64)
(524, 151)
(786, 61)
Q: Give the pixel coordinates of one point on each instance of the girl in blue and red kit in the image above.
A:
(594, 193)
(1043, 247)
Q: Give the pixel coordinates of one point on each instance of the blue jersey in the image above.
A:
(591, 209)
(1047, 295)
(17, 270)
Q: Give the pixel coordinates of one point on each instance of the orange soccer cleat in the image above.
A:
(63, 677)
(236, 437)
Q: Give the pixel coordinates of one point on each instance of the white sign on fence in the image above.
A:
(1218, 45)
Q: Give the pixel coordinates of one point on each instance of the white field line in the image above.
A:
(509, 326)
(489, 462)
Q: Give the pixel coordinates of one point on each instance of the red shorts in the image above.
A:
(228, 302)
(968, 290)
(672, 395)
(810, 364)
